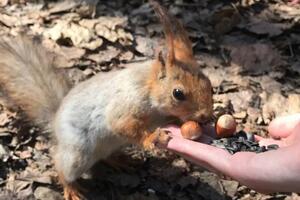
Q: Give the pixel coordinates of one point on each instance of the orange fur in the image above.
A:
(130, 127)
(136, 131)
(178, 43)
(180, 70)
(72, 191)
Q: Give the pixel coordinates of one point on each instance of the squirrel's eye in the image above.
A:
(178, 94)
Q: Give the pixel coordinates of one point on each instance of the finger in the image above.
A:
(258, 138)
(202, 154)
(269, 141)
(282, 127)
(176, 132)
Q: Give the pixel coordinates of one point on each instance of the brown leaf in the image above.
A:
(126, 56)
(93, 44)
(256, 58)
(287, 11)
(225, 20)
(111, 28)
(65, 29)
(240, 100)
(274, 102)
(8, 20)
(4, 153)
(47, 193)
(4, 119)
(263, 27)
(293, 103)
(268, 84)
(20, 187)
(231, 187)
(187, 181)
(104, 55)
(146, 46)
(35, 175)
(24, 154)
(296, 67)
(253, 114)
(40, 145)
(180, 163)
(62, 6)
(71, 52)
(240, 115)
(89, 23)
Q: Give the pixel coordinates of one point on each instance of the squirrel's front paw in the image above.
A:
(159, 138)
(162, 137)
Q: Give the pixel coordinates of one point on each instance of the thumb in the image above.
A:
(282, 127)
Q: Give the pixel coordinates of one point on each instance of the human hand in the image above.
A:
(267, 172)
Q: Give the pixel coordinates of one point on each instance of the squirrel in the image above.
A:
(98, 116)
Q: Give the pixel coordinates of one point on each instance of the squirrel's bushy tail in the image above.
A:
(29, 79)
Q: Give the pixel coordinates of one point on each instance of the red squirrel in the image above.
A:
(98, 116)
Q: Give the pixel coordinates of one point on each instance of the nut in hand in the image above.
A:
(191, 130)
(226, 126)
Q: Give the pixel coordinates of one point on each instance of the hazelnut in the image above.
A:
(226, 126)
(191, 130)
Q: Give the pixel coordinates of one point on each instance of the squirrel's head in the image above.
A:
(177, 85)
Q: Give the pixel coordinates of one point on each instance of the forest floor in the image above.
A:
(250, 50)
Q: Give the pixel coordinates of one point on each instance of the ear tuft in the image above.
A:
(178, 44)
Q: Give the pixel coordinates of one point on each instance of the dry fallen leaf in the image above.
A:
(126, 56)
(274, 102)
(22, 188)
(146, 46)
(62, 6)
(76, 33)
(285, 11)
(112, 29)
(240, 100)
(255, 58)
(296, 67)
(105, 55)
(293, 105)
(8, 20)
(93, 45)
(4, 153)
(47, 193)
(225, 20)
(35, 175)
(24, 154)
(263, 27)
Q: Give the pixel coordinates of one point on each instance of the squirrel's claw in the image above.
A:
(73, 193)
(160, 137)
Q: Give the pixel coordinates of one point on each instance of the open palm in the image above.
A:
(271, 171)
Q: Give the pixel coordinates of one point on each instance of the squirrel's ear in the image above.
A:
(178, 44)
(160, 64)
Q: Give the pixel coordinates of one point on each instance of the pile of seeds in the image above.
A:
(242, 141)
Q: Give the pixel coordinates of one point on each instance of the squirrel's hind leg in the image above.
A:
(70, 164)
(73, 191)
